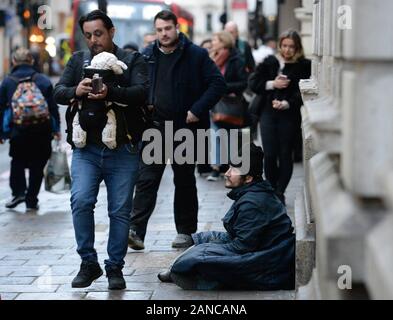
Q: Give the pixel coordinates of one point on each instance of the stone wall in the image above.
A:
(344, 216)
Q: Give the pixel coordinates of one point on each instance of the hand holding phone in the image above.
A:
(281, 82)
(96, 84)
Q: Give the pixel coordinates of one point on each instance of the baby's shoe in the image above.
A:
(109, 132)
(79, 135)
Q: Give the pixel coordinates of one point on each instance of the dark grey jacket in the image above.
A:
(256, 252)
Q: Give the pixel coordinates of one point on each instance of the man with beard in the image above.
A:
(257, 251)
(185, 85)
(96, 162)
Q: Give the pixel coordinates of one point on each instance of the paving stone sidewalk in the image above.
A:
(38, 258)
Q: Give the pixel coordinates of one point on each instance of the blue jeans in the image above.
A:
(118, 169)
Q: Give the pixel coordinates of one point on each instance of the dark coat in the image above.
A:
(258, 250)
(198, 84)
(246, 54)
(132, 86)
(267, 71)
(28, 143)
(235, 74)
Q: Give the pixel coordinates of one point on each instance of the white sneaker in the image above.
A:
(109, 132)
(79, 135)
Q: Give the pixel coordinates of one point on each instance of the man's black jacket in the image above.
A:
(131, 90)
(197, 82)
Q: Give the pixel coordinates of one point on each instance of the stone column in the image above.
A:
(305, 15)
(348, 133)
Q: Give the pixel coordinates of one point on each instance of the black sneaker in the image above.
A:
(184, 282)
(134, 241)
(32, 208)
(14, 202)
(88, 272)
(115, 278)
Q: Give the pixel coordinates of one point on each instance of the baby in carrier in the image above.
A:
(106, 65)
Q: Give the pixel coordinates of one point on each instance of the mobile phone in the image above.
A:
(96, 84)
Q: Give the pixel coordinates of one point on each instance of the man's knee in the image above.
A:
(147, 183)
(82, 202)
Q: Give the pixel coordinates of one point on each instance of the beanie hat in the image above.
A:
(256, 161)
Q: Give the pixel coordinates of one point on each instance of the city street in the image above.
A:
(38, 258)
(307, 65)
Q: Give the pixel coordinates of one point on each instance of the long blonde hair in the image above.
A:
(293, 35)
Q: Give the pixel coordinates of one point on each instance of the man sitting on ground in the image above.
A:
(258, 250)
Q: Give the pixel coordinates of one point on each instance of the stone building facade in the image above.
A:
(344, 217)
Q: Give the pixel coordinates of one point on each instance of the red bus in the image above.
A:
(132, 19)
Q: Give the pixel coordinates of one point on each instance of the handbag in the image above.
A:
(57, 177)
(230, 112)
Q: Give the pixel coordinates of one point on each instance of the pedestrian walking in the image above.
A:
(242, 45)
(257, 251)
(268, 48)
(205, 168)
(231, 65)
(148, 39)
(277, 81)
(30, 120)
(96, 162)
(185, 85)
(131, 46)
(206, 44)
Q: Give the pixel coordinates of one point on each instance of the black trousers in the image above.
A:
(18, 178)
(278, 136)
(185, 202)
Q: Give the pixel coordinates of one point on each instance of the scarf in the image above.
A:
(221, 58)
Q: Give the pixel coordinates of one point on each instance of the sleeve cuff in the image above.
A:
(270, 85)
(285, 105)
(195, 113)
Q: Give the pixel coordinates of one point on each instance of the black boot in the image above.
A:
(115, 278)
(88, 272)
(185, 282)
(165, 276)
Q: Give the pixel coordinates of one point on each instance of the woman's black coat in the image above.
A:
(267, 71)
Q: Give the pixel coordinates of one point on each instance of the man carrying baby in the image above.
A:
(95, 162)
